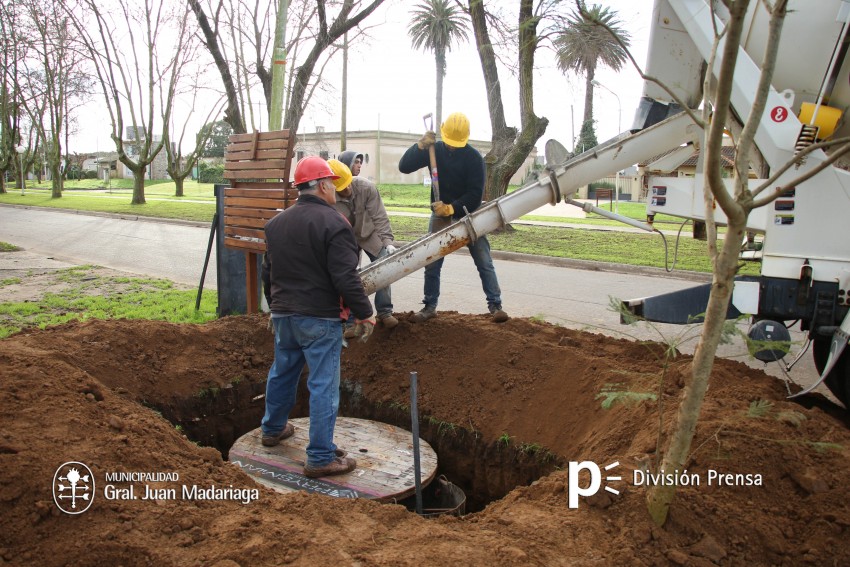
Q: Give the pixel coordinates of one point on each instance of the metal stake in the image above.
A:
(414, 417)
(206, 260)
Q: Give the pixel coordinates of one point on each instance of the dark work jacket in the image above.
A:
(311, 262)
(460, 174)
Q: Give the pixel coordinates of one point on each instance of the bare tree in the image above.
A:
(11, 52)
(54, 75)
(133, 84)
(179, 166)
(510, 146)
(229, 28)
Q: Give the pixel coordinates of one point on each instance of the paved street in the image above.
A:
(575, 298)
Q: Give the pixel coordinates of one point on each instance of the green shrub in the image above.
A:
(210, 173)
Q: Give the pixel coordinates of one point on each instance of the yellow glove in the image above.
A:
(363, 328)
(426, 141)
(442, 210)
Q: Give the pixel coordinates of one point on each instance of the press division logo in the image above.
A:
(575, 490)
(73, 487)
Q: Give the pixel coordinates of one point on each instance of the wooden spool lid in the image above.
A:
(384, 455)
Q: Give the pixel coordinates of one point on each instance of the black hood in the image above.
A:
(347, 157)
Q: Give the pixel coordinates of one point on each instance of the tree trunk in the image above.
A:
(232, 114)
(3, 182)
(56, 182)
(440, 56)
(139, 186)
(660, 497)
(509, 147)
(588, 96)
(178, 184)
(54, 163)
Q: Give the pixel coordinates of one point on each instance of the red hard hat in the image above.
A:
(311, 168)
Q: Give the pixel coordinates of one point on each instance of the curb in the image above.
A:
(121, 216)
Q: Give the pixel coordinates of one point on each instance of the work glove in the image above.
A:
(426, 141)
(363, 328)
(391, 249)
(270, 324)
(442, 210)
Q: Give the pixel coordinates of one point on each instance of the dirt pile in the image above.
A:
(123, 396)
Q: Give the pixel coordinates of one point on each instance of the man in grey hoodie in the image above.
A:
(359, 201)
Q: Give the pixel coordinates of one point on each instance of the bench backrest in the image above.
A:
(257, 166)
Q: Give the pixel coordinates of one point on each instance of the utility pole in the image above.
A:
(343, 132)
(278, 68)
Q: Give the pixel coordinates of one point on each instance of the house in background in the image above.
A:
(382, 151)
(104, 162)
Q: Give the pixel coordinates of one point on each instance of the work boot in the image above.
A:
(498, 315)
(272, 440)
(427, 312)
(388, 321)
(340, 465)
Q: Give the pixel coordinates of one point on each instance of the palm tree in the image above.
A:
(435, 26)
(582, 45)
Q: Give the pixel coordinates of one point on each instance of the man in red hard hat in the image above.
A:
(310, 281)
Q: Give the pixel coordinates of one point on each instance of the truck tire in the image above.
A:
(838, 380)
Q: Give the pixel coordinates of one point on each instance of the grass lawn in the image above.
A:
(170, 208)
(636, 249)
(198, 204)
(83, 292)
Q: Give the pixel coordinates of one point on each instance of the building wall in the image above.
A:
(382, 151)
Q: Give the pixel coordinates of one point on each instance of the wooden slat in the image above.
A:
(258, 173)
(263, 154)
(263, 185)
(244, 244)
(263, 136)
(257, 193)
(258, 203)
(249, 212)
(244, 222)
(255, 164)
(245, 232)
(261, 145)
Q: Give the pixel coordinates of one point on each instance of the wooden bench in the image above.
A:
(257, 166)
(603, 194)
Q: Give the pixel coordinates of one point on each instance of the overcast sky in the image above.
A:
(392, 87)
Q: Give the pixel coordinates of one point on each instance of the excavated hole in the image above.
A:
(485, 469)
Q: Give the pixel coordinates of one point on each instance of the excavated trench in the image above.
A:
(485, 469)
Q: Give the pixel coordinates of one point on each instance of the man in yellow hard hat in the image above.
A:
(358, 200)
(311, 283)
(461, 171)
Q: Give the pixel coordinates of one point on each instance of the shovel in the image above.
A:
(428, 120)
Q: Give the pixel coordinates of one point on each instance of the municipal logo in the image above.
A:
(73, 487)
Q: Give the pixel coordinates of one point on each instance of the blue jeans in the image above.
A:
(383, 297)
(299, 339)
(480, 252)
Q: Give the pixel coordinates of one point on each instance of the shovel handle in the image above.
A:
(428, 121)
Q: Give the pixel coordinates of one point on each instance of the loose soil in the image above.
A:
(506, 406)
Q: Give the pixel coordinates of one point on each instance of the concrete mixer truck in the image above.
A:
(805, 256)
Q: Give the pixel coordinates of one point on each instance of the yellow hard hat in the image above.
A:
(340, 169)
(455, 130)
